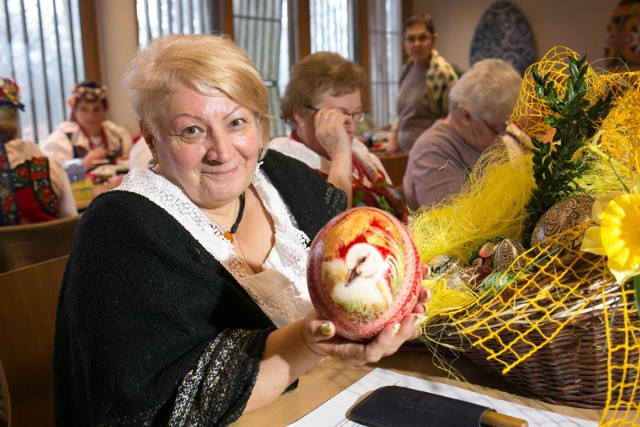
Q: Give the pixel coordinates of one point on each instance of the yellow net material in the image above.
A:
(620, 130)
(564, 309)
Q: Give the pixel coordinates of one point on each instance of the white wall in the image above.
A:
(578, 24)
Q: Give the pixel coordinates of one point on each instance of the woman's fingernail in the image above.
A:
(396, 328)
(419, 320)
(326, 328)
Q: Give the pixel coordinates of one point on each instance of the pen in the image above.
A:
(493, 419)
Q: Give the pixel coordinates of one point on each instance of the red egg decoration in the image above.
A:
(363, 272)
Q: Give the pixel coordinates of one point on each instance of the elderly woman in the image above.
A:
(425, 81)
(88, 135)
(32, 188)
(322, 104)
(185, 299)
(480, 105)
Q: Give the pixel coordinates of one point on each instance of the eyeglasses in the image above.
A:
(358, 117)
(422, 38)
(495, 131)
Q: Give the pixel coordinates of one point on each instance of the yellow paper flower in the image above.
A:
(617, 233)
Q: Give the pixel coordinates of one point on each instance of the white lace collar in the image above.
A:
(281, 289)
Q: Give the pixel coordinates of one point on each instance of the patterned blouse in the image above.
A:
(371, 183)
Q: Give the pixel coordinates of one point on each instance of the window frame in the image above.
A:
(89, 31)
(300, 35)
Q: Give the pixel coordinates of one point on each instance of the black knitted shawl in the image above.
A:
(151, 329)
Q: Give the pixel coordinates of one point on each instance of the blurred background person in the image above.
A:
(323, 106)
(480, 105)
(425, 81)
(88, 135)
(139, 157)
(34, 189)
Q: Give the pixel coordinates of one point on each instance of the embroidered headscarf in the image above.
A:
(10, 93)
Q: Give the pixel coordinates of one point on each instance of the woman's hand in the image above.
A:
(295, 348)
(320, 336)
(334, 139)
(331, 132)
(93, 156)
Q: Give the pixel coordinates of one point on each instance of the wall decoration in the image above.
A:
(622, 48)
(504, 32)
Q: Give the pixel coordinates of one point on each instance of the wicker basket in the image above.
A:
(570, 369)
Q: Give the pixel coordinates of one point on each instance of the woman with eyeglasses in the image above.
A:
(442, 158)
(322, 104)
(425, 81)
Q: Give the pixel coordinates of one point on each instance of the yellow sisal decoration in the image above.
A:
(564, 312)
(491, 204)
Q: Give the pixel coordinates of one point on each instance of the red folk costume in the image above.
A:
(371, 185)
(27, 193)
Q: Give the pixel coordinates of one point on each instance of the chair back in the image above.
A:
(26, 244)
(28, 301)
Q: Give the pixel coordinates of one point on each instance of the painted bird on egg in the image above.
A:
(363, 272)
(366, 284)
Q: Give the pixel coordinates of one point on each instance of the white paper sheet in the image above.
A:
(332, 412)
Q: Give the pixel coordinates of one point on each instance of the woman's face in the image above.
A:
(90, 116)
(347, 104)
(208, 146)
(478, 132)
(418, 42)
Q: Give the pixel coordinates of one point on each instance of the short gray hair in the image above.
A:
(489, 89)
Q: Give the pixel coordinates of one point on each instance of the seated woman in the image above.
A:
(33, 189)
(198, 310)
(442, 158)
(322, 105)
(88, 135)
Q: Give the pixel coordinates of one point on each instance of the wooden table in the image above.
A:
(331, 377)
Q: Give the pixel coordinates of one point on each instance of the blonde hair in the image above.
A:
(203, 63)
(314, 75)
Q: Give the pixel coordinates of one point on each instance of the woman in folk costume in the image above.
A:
(88, 135)
(32, 188)
(322, 104)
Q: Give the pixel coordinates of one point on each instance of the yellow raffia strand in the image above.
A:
(445, 299)
(487, 207)
(621, 128)
(559, 283)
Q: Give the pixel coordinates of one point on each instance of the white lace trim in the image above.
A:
(281, 288)
(299, 151)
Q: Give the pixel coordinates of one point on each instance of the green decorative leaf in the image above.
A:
(557, 168)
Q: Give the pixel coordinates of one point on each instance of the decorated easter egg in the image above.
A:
(467, 278)
(363, 272)
(562, 216)
(505, 253)
(442, 264)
